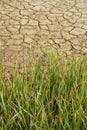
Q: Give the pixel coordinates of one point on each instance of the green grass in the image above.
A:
(52, 95)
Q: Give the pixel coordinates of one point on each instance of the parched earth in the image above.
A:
(35, 25)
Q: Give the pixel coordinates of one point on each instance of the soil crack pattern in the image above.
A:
(38, 24)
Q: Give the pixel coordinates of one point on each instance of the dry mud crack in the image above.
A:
(36, 24)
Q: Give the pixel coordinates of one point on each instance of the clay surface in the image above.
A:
(32, 25)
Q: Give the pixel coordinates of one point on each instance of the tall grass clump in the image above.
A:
(50, 95)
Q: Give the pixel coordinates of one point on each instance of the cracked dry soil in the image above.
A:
(36, 24)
